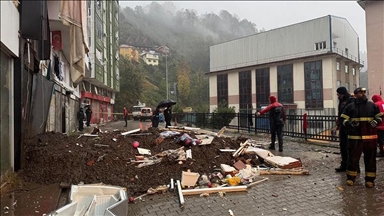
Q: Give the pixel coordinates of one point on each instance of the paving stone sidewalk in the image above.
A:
(323, 192)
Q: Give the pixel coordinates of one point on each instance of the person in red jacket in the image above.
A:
(380, 127)
(276, 121)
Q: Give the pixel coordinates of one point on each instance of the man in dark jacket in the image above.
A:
(80, 119)
(168, 116)
(88, 113)
(344, 99)
(361, 118)
(276, 121)
(380, 127)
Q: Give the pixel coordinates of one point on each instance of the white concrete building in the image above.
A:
(302, 64)
(9, 50)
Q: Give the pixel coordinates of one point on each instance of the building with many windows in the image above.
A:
(302, 64)
(101, 80)
(150, 57)
(374, 18)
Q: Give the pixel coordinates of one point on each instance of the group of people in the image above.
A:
(81, 117)
(155, 116)
(167, 116)
(361, 129)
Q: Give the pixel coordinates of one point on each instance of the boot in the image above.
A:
(369, 184)
(341, 168)
(271, 147)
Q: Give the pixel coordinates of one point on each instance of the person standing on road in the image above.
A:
(155, 118)
(88, 113)
(361, 118)
(380, 128)
(125, 115)
(276, 121)
(168, 116)
(80, 119)
(344, 99)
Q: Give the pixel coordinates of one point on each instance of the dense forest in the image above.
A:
(189, 36)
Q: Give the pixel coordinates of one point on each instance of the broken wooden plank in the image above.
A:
(140, 134)
(227, 150)
(189, 178)
(214, 190)
(205, 139)
(130, 132)
(221, 131)
(181, 197)
(262, 153)
(256, 182)
(283, 162)
(284, 172)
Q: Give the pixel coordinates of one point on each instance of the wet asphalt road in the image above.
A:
(323, 192)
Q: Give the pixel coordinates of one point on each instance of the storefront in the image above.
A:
(102, 109)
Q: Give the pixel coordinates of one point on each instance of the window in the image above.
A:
(347, 86)
(346, 68)
(338, 83)
(313, 77)
(320, 45)
(285, 83)
(222, 88)
(353, 71)
(245, 90)
(262, 87)
(338, 66)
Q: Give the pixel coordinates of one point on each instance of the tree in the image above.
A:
(184, 80)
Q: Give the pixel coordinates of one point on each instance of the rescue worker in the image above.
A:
(380, 128)
(276, 121)
(80, 119)
(361, 118)
(155, 118)
(344, 99)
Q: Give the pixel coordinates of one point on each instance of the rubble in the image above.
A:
(225, 165)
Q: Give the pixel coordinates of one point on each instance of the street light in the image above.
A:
(165, 50)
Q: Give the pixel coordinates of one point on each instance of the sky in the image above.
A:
(275, 14)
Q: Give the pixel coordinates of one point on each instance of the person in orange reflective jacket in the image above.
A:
(380, 127)
(361, 118)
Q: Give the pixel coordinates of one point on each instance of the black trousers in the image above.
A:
(126, 121)
(343, 144)
(167, 121)
(356, 148)
(277, 129)
(88, 120)
(81, 125)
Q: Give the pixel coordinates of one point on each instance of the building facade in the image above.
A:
(302, 64)
(9, 51)
(374, 18)
(101, 81)
(129, 52)
(150, 58)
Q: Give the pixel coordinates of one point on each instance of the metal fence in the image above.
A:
(321, 124)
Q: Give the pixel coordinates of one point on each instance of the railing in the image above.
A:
(320, 127)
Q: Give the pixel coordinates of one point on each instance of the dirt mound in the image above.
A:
(55, 158)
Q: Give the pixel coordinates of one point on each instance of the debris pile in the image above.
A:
(189, 160)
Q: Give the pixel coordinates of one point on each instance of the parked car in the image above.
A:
(146, 113)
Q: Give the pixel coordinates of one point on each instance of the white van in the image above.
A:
(136, 112)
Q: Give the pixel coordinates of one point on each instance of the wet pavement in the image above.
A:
(323, 192)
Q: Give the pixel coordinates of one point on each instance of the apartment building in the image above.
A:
(374, 19)
(302, 64)
(101, 81)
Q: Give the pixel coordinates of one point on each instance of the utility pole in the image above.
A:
(166, 74)
(174, 89)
